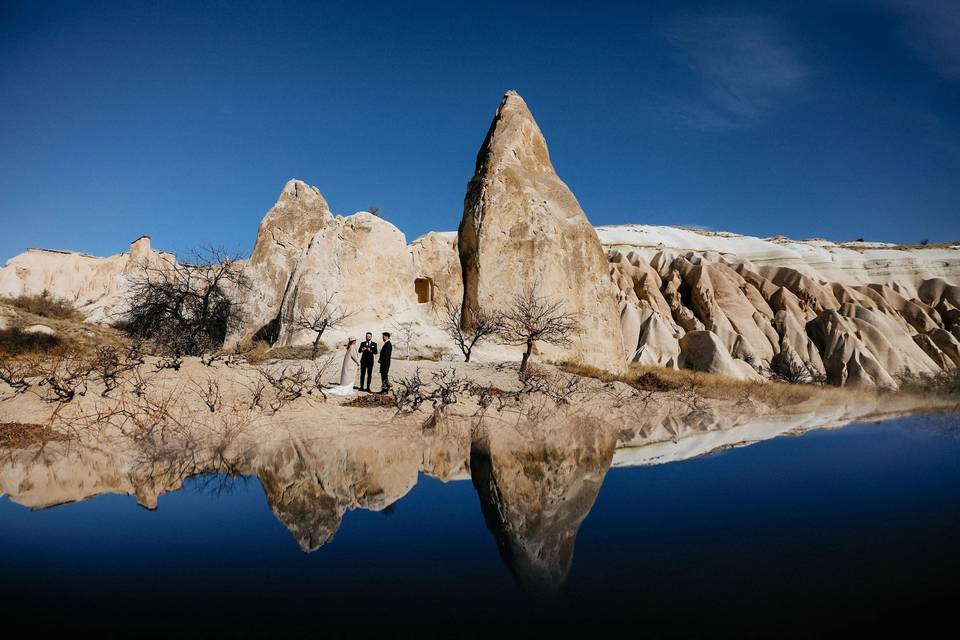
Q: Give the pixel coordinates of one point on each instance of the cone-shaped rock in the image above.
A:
(522, 225)
(284, 235)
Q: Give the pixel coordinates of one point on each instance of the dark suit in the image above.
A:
(368, 349)
(385, 352)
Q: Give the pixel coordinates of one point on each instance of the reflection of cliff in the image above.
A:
(311, 485)
(536, 490)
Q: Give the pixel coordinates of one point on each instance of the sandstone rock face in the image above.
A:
(304, 255)
(283, 238)
(704, 351)
(522, 226)
(95, 286)
(852, 263)
(436, 260)
(781, 321)
(363, 260)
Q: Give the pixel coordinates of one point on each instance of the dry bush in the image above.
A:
(208, 391)
(297, 353)
(442, 389)
(276, 389)
(110, 363)
(185, 308)
(45, 305)
(793, 371)
(943, 383)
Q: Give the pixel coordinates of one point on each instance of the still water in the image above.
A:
(833, 531)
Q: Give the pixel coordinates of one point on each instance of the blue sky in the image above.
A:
(184, 120)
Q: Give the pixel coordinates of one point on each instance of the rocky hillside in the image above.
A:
(857, 314)
(853, 314)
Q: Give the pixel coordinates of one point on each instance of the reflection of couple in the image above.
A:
(363, 355)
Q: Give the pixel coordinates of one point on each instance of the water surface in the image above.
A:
(833, 531)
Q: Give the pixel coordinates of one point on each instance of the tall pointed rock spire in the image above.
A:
(522, 226)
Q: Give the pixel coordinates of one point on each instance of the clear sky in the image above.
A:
(838, 119)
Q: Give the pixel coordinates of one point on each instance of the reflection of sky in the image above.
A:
(851, 519)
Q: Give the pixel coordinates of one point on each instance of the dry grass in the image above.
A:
(45, 306)
(19, 434)
(15, 342)
(708, 385)
(260, 351)
(72, 332)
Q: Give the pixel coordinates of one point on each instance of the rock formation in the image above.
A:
(523, 227)
(284, 235)
(311, 485)
(782, 320)
(95, 286)
(436, 262)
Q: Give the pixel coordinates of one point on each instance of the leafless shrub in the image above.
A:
(290, 384)
(556, 387)
(110, 363)
(184, 307)
(533, 318)
(406, 332)
(257, 389)
(794, 371)
(61, 378)
(171, 362)
(442, 390)
(484, 324)
(138, 384)
(14, 374)
(209, 393)
(325, 314)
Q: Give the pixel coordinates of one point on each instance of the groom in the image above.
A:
(368, 349)
(385, 352)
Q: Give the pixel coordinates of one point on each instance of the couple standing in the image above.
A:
(363, 355)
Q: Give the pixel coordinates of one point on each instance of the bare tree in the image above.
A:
(532, 318)
(485, 324)
(325, 314)
(406, 333)
(185, 308)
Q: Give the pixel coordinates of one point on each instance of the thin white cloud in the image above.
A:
(932, 28)
(743, 64)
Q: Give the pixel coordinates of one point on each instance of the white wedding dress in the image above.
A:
(348, 373)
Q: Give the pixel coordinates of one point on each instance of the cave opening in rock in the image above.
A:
(424, 288)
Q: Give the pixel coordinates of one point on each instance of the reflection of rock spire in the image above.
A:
(310, 485)
(299, 500)
(535, 493)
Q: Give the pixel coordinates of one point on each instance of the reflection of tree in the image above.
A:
(536, 491)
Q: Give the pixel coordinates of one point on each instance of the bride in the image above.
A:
(348, 373)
